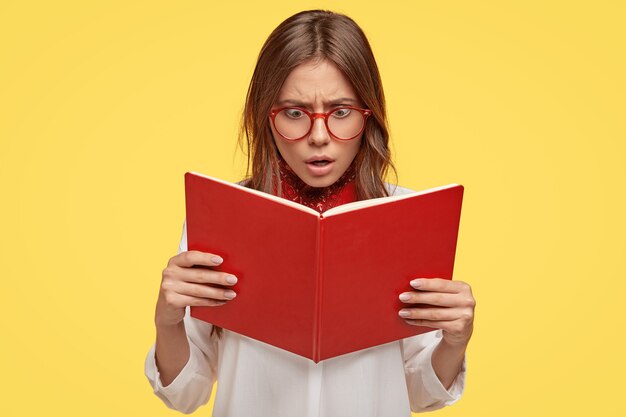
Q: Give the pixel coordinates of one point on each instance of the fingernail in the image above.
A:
(216, 259)
(416, 283)
(405, 296)
(404, 313)
(230, 294)
(231, 279)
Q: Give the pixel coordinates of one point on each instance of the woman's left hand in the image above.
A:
(450, 308)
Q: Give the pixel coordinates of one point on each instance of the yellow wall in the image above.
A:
(104, 106)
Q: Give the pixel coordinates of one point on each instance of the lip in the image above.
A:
(320, 171)
(319, 158)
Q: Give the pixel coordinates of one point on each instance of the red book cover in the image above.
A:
(320, 285)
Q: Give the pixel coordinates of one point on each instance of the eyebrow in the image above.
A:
(334, 102)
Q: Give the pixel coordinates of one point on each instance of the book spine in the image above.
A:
(318, 274)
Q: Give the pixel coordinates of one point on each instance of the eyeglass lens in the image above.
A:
(343, 123)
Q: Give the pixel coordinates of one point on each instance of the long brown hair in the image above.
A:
(316, 35)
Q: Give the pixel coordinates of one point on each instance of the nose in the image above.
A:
(319, 134)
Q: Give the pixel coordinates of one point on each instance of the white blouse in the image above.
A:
(257, 379)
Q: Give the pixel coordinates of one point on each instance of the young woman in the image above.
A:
(316, 132)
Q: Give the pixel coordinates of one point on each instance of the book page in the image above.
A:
(261, 194)
(382, 200)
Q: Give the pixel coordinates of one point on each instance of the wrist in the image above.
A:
(166, 317)
(167, 326)
(455, 344)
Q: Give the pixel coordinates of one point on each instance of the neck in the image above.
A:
(318, 198)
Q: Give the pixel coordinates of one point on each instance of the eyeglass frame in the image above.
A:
(312, 116)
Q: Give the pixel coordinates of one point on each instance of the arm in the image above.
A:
(447, 361)
(435, 364)
(181, 366)
(173, 347)
(188, 386)
(425, 389)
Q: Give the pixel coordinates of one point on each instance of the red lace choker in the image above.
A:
(318, 198)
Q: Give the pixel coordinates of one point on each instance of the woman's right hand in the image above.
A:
(189, 280)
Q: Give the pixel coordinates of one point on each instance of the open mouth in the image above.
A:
(320, 163)
(319, 160)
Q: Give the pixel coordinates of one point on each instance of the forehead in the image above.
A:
(316, 80)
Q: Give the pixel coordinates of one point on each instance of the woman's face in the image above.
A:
(317, 87)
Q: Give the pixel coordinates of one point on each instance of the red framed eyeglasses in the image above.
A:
(343, 123)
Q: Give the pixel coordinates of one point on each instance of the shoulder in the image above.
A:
(395, 189)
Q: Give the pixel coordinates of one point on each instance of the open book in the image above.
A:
(320, 285)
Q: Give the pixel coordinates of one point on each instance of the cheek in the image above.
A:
(355, 147)
(289, 151)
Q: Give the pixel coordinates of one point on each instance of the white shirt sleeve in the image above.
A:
(426, 392)
(193, 385)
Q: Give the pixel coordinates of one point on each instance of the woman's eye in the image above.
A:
(294, 113)
(341, 113)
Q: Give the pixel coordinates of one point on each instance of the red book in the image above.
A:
(320, 285)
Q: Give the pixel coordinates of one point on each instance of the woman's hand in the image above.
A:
(450, 308)
(188, 280)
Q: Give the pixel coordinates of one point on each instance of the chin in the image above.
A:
(319, 182)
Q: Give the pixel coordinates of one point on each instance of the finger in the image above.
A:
(438, 285)
(434, 314)
(432, 298)
(206, 276)
(426, 323)
(451, 327)
(193, 257)
(205, 291)
(186, 300)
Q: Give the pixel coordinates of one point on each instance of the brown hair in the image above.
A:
(315, 35)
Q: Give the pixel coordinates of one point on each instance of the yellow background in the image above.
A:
(105, 105)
